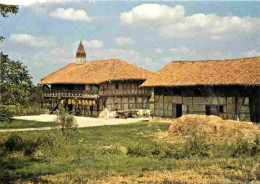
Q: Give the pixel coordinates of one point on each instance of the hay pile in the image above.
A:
(216, 130)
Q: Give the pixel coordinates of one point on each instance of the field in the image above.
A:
(122, 154)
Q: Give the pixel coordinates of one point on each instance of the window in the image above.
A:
(116, 86)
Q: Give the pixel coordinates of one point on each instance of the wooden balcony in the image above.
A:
(126, 92)
(72, 93)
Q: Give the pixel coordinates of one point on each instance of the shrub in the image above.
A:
(197, 146)
(174, 151)
(138, 150)
(14, 143)
(113, 149)
(5, 115)
(244, 148)
(66, 122)
(157, 149)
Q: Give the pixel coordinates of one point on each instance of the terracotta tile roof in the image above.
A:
(95, 72)
(243, 71)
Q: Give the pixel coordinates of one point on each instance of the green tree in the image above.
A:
(5, 10)
(35, 95)
(15, 81)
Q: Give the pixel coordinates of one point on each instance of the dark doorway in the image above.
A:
(207, 110)
(70, 107)
(91, 110)
(212, 110)
(178, 110)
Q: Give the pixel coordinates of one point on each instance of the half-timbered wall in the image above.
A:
(125, 103)
(227, 103)
(123, 96)
(119, 88)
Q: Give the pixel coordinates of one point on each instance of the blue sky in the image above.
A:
(44, 35)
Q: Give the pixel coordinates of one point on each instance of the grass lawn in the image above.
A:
(25, 124)
(83, 160)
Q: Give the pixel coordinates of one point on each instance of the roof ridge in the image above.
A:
(208, 60)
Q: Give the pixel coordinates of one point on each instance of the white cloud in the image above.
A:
(158, 51)
(252, 53)
(30, 40)
(70, 14)
(172, 22)
(122, 41)
(93, 44)
(182, 50)
(149, 14)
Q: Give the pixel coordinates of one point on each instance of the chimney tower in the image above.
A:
(81, 55)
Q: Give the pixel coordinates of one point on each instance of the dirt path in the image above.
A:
(82, 122)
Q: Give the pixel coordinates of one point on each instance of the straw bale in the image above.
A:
(217, 131)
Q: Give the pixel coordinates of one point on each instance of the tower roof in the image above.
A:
(81, 51)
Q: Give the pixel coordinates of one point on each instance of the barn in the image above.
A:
(227, 88)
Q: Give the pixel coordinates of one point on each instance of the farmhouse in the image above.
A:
(226, 88)
(89, 87)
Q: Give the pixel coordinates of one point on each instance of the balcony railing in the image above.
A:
(72, 93)
(96, 93)
(142, 92)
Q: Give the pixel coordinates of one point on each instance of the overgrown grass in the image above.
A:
(25, 124)
(83, 159)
